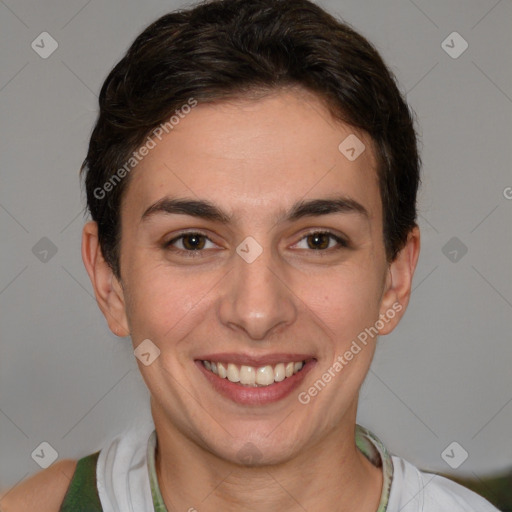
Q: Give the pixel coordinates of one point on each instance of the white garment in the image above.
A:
(122, 472)
(413, 490)
(124, 485)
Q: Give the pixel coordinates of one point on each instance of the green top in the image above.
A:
(82, 494)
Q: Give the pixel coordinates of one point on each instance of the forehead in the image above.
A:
(256, 157)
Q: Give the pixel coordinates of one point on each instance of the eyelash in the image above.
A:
(342, 244)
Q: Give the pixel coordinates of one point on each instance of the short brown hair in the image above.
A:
(222, 49)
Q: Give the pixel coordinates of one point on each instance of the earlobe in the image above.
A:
(399, 277)
(108, 291)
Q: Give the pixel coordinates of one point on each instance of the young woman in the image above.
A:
(252, 181)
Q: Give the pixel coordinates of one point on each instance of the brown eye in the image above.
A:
(318, 240)
(193, 241)
(190, 244)
(322, 241)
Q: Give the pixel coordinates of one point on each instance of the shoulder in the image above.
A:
(413, 490)
(43, 491)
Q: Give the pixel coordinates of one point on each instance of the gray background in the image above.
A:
(444, 375)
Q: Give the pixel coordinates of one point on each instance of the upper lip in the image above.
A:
(255, 360)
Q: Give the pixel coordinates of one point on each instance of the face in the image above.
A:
(250, 240)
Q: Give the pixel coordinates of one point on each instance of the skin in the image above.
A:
(43, 491)
(254, 159)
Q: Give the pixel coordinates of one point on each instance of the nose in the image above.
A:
(257, 300)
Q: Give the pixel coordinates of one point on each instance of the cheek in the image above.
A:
(347, 301)
(166, 304)
(157, 303)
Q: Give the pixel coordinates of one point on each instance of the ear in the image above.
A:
(107, 288)
(397, 290)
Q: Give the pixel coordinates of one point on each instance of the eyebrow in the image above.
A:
(208, 211)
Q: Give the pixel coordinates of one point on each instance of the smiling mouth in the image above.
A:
(254, 376)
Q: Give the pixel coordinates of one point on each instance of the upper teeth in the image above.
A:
(254, 376)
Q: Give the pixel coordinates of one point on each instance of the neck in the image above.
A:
(338, 476)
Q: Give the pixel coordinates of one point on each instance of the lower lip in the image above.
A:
(248, 395)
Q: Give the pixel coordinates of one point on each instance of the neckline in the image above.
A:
(375, 451)
(367, 443)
